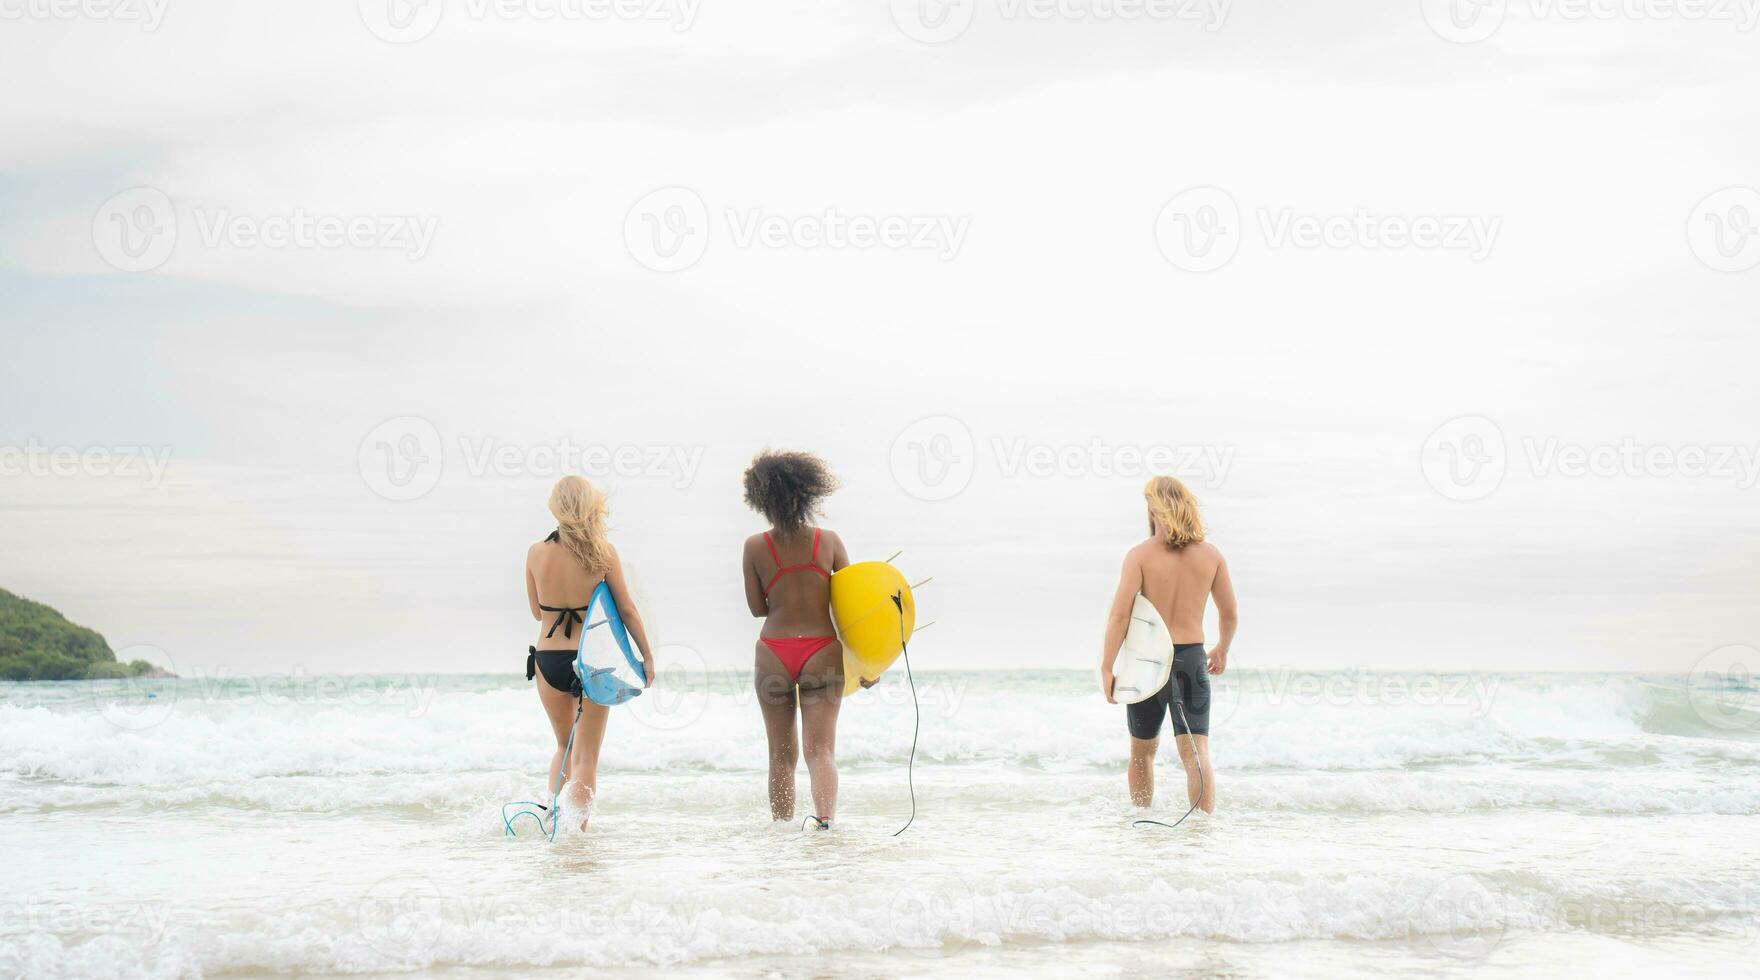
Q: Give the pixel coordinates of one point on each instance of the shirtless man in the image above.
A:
(1177, 571)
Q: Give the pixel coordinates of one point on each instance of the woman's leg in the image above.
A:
(776, 700)
(559, 708)
(821, 689)
(1194, 752)
(583, 757)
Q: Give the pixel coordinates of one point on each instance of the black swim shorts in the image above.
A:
(1187, 688)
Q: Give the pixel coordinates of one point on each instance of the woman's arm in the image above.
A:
(754, 588)
(839, 554)
(631, 616)
(532, 588)
(1118, 619)
(1227, 616)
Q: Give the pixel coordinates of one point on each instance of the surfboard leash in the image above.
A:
(917, 721)
(1188, 727)
(580, 703)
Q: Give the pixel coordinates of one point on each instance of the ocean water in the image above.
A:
(1450, 823)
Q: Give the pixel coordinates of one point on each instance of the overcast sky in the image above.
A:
(363, 279)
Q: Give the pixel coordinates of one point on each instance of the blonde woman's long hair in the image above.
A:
(1173, 512)
(580, 512)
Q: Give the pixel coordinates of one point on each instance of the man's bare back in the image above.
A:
(1178, 582)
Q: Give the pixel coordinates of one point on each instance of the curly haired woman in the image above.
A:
(799, 660)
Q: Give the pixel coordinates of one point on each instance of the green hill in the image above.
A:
(39, 644)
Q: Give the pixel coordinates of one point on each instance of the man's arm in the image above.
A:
(1118, 619)
(1227, 616)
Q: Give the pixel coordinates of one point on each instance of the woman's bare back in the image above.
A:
(797, 603)
(557, 579)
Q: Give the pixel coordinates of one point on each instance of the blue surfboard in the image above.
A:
(609, 669)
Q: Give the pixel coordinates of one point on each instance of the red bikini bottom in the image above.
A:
(795, 651)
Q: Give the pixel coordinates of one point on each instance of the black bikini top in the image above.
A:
(567, 617)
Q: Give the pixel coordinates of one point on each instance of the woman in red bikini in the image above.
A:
(799, 661)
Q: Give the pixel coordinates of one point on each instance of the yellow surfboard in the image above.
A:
(872, 627)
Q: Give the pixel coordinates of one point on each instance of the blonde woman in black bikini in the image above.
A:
(799, 660)
(561, 573)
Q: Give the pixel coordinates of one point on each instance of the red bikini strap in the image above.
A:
(773, 554)
(815, 558)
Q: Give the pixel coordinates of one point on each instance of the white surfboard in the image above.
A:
(1145, 658)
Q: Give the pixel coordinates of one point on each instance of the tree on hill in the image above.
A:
(39, 644)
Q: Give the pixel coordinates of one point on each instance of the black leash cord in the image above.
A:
(1196, 759)
(917, 723)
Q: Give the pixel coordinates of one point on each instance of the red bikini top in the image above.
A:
(782, 570)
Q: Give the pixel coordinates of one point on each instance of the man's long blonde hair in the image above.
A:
(580, 512)
(1174, 512)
